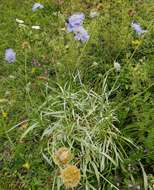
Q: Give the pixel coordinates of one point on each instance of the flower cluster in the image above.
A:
(69, 174)
(37, 6)
(138, 28)
(10, 55)
(76, 20)
(81, 34)
(75, 25)
(117, 66)
(21, 24)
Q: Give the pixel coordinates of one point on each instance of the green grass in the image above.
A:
(72, 96)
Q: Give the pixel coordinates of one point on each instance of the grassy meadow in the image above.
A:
(77, 114)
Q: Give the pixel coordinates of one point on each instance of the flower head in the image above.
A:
(4, 114)
(26, 166)
(10, 55)
(37, 6)
(74, 21)
(22, 25)
(136, 42)
(70, 176)
(62, 156)
(19, 21)
(36, 27)
(117, 66)
(94, 14)
(138, 28)
(81, 34)
(25, 45)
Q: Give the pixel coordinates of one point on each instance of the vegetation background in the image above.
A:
(64, 93)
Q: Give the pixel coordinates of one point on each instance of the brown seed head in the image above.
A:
(70, 176)
(62, 156)
(25, 45)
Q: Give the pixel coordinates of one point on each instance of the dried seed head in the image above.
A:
(62, 156)
(25, 45)
(100, 6)
(70, 176)
(131, 12)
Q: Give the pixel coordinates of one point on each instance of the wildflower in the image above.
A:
(22, 25)
(74, 21)
(81, 34)
(36, 27)
(33, 70)
(131, 12)
(70, 176)
(37, 6)
(62, 29)
(25, 45)
(100, 6)
(36, 63)
(26, 165)
(10, 55)
(94, 14)
(4, 114)
(95, 64)
(136, 42)
(62, 156)
(100, 75)
(75, 25)
(145, 150)
(24, 125)
(117, 66)
(19, 21)
(138, 28)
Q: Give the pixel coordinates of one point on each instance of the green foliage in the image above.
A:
(83, 120)
(70, 94)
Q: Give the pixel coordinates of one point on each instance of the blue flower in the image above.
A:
(138, 28)
(74, 21)
(74, 25)
(37, 6)
(81, 34)
(10, 55)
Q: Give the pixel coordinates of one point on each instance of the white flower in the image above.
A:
(37, 6)
(117, 66)
(36, 27)
(19, 21)
(22, 25)
(95, 63)
(94, 14)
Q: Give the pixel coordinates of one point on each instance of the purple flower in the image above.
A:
(145, 150)
(81, 34)
(74, 25)
(10, 55)
(37, 6)
(138, 28)
(74, 21)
